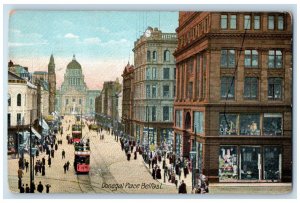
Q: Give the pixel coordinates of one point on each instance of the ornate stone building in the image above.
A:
(234, 94)
(52, 84)
(154, 85)
(127, 103)
(74, 97)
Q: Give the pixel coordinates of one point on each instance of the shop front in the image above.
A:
(250, 163)
(178, 145)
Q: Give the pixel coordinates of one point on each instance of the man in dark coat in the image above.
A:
(68, 164)
(43, 170)
(40, 187)
(52, 153)
(49, 161)
(47, 188)
(65, 167)
(63, 154)
(32, 187)
(27, 189)
(182, 188)
(22, 189)
(128, 156)
(158, 173)
(26, 165)
(135, 153)
(56, 146)
(43, 161)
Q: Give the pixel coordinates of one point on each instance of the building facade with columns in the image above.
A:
(74, 97)
(154, 85)
(232, 109)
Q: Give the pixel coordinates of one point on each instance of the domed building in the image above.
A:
(74, 97)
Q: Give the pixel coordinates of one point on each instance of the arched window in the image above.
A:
(166, 55)
(19, 100)
(9, 100)
(154, 56)
(148, 56)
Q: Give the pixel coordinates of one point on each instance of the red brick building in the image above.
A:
(234, 94)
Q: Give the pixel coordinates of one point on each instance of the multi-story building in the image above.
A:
(234, 95)
(127, 103)
(154, 85)
(74, 97)
(39, 75)
(108, 103)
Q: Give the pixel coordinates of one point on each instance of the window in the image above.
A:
(166, 113)
(19, 100)
(148, 73)
(274, 88)
(166, 55)
(178, 115)
(228, 163)
(91, 101)
(74, 100)
(18, 118)
(275, 59)
(271, 22)
(249, 124)
(227, 58)
(272, 123)
(272, 162)
(228, 124)
(9, 100)
(256, 22)
(8, 120)
(223, 21)
(280, 23)
(148, 56)
(251, 88)
(147, 113)
(153, 91)
(198, 122)
(250, 163)
(166, 91)
(190, 90)
(147, 91)
(251, 59)
(154, 73)
(227, 87)
(232, 21)
(247, 22)
(153, 113)
(166, 74)
(79, 101)
(67, 101)
(154, 56)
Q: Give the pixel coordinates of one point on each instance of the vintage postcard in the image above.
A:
(149, 102)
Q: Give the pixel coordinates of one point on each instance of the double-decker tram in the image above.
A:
(82, 157)
(76, 132)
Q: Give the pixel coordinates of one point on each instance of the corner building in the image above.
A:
(154, 86)
(234, 93)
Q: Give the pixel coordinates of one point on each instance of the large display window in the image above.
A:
(228, 163)
(272, 163)
(249, 124)
(250, 163)
(272, 124)
(228, 124)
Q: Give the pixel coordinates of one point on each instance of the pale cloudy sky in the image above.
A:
(101, 40)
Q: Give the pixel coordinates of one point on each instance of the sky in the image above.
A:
(102, 41)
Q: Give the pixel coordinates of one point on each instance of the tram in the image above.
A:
(82, 157)
(76, 132)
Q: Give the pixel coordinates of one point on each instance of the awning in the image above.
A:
(36, 133)
(44, 124)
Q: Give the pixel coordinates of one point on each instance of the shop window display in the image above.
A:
(249, 124)
(228, 124)
(178, 145)
(272, 124)
(250, 163)
(228, 165)
(272, 163)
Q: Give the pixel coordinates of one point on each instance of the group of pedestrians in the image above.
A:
(129, 146)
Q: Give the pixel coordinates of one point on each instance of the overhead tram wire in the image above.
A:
(234, 75)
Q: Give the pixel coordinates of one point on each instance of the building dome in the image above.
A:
(74, 64)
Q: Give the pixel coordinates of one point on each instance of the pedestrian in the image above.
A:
(43, 161)
(65, 167)
(22, 189)
(182, 188)
(185, 171)
(27, 190)
(63, 154)
(32, 187)
(154, 173)
(158, 173)
(56, 147)
(131, 147)
(179, 173)
(43, 170)
(49, 161)
(128, 156)
(47, 188)
(20, 173)
(26, 165)
(52, 153)
(149, 163)
(36, 168)
(68, 164)
(19, 183)
(135, 153)
(40, 187)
